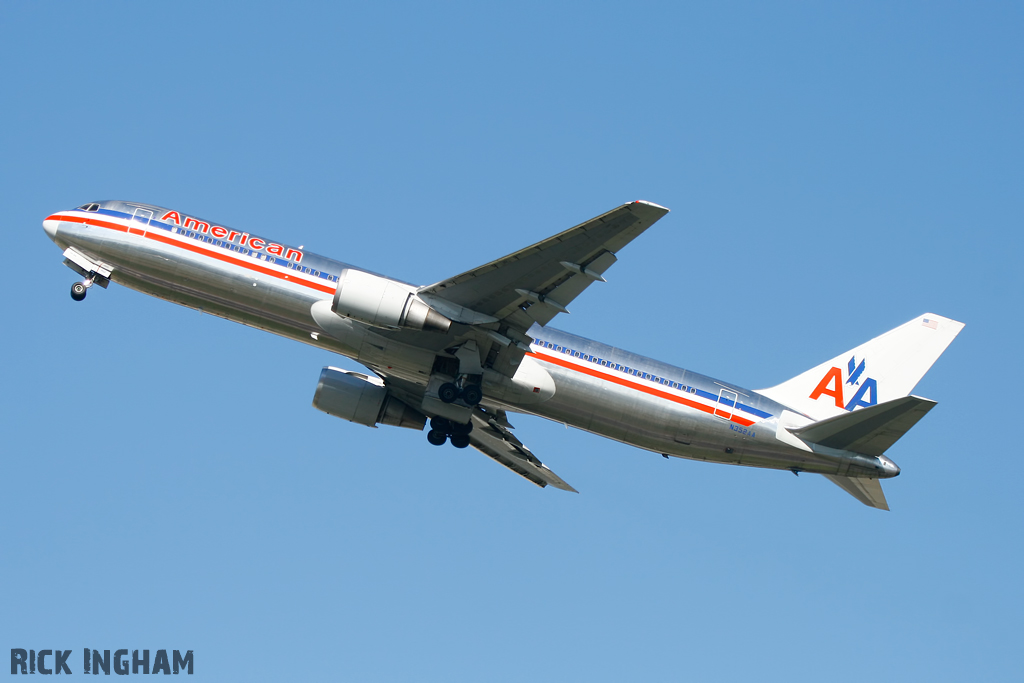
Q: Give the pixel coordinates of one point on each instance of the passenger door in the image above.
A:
(140, 221)
(726, 403)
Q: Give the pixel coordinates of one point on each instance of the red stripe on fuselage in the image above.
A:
(634, 385)
(157, 237)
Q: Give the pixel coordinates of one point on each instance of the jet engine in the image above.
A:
(380, 302)
(363, 399)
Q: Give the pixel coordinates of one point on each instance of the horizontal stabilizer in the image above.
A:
(867, 491)
(869, 431)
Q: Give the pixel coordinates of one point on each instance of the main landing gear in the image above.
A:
(443, 429)
(80, 289)
(471, 394)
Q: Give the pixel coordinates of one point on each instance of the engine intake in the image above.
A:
(380, 302)
(363, 399)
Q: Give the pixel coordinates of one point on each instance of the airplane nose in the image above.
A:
(50, 226)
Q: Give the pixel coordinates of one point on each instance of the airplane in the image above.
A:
(457, 356)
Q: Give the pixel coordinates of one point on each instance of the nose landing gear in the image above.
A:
(80, 289)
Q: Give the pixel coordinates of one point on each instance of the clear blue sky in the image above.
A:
(833, 172)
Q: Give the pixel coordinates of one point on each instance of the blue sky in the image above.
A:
(832, 172)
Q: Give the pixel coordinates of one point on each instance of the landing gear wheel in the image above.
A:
(78, 291)
(456, 428)
(437, 438)
(460, 440)
(448, 392)
(440, 424)
(472, 394)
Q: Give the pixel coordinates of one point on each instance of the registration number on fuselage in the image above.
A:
(742, 430)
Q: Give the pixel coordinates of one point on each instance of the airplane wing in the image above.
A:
(497, 442)
(536, 283)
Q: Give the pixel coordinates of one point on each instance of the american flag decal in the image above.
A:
(928, 322)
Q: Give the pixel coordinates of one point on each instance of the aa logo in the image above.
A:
(832, 385)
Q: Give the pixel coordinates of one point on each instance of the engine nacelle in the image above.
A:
(363, 399)
(380, 302)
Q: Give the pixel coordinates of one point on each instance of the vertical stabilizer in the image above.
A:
(886, 368)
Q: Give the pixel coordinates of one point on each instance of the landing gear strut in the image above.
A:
(442, 429)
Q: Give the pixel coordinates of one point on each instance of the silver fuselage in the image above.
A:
(595, 387)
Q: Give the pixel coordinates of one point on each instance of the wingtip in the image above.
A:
(650, 204)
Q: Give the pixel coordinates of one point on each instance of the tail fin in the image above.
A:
(886, 368)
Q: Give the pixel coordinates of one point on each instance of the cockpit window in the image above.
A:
(90, 207)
